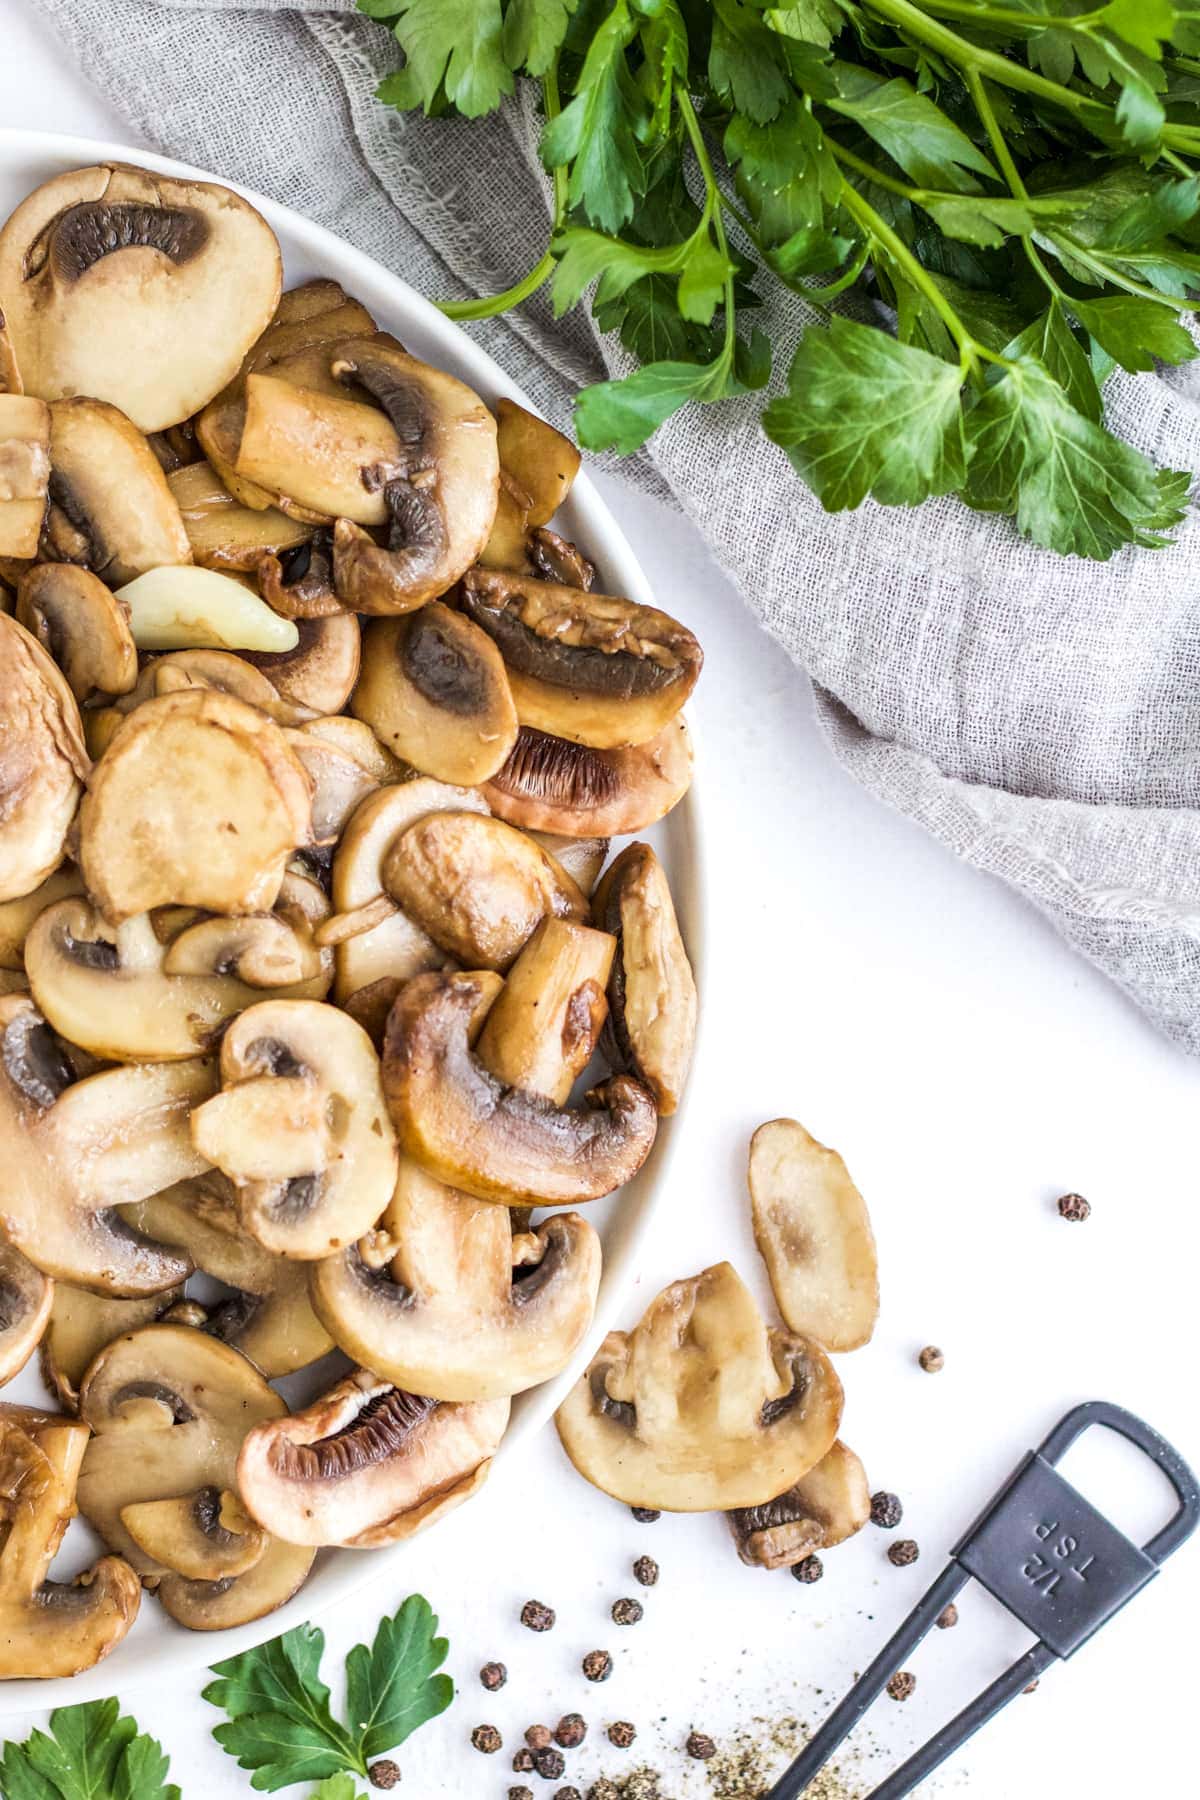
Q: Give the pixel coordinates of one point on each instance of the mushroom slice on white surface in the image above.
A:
(814, 1234)
(51, 1629)
(26, 1296)
(822, 1509)
(110, 507)
(367, 1464)
(652, 993)
(169, 1408)
(43, 761)
(81, 1324)
(701, 1407)
(83, 626)
(300, 1127)
(24, 472)
(462, 1309)
(141, 289)
(197, 801)
(551, 784)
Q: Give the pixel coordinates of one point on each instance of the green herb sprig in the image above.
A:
(1012, 191)
(92, 1752)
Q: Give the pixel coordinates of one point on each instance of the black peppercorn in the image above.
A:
(810, 1569)
(597, 1665)
(626, 1612)
(549, 1764)
(523, 1762)
(886, 1510)
(700, 1746)
(902, 1685)
(520, 1793)
(537, 1616)
(493, 1675)
(567, 1794)
(948, 1618)
(645, 1570)
(538, 1736)
(903, 1552)
(622, 1734)
(487, 1739)
(384, 1774)
(1074, 1207)
(570, 1731)
(932, 1360)
(645, 1515)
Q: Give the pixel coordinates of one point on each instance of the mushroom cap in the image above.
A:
(367, 1459)
(26, 1296)
(42, 761)
(81, 1324)
(701, 1407)
(169, 1407)
(300, 1127)
(204, 1536)
(541, 460)
(551, 784)
(140, 289)
(318, 675)
(463, 1310)
(198, 802)
(652, 992)
(82, 625)
(339, 783)
(821, 1510)
(472, 1132)
(111, 508)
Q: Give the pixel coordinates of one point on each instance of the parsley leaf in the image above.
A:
(596, 134)
(455, 45)
(1135, 332)
(392, 1688)
(743, 62)
(621, 415)
(337, 1787)
(916, 134)
(92, 1752)
(533, 32)
(1050, 341)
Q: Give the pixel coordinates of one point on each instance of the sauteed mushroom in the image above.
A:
(26, 1296)
(83, 626)
(551, 784)
(822, 1509)
(111, 509)
(81, 1324)
(24, 471)
(652, 993)
(42, 761)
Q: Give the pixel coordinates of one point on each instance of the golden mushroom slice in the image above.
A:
(814, 1234)
(17, 917)
(540, 459)
(205, 1536)
(822, 1509)
(300, 1127)
(43, 761)
(550, 784)
(72, 1151)
(367, 1464)
(49, 1628)
(24, 471)
(339, 783)
(83, 626)
(701, 1408)
(474, 1132)
(356, 740)
(477, 887)
(328, 453)
(82, 1324)
(197, 801)
(542, 1030)
(318, 674)
(462, 1309)
(434, 690)
(222, 533)
(110, 507)
(582, 858)
(169, 1408)
(26, 1296)
(595, 668)
(652, 993)
(142, 289)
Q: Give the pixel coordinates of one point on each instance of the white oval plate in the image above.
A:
(157, 1647)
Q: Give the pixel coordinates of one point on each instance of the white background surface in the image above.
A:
(970, 1069)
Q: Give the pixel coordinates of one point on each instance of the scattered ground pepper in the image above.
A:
(808, 1570)
(645, 1570)
(487, 1739)
(886, 1510)
(1074, 1207)
(903, 1552)
(948, 1618)
(902, 1685)
(523, 1762)
(932, 1360)
(493, 1675)
(626, 1612)
(384, 1774)
(538, 1737)
(549, 1763)
(700, 1746)
(622, 1733)
(645, 1515)
(597, 1665)
(538, 1616)
(570, 1731)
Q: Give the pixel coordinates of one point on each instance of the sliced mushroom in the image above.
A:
(472, 1132)
(81, 1324)
(701, 1407)
(822, 1509)
(551, 784)
(354, 739)
(590, 667)
(395, 948)
(26, 1296)
(463, 1309)
(541, 459)
(216, 669)
(477, 887)
(299, 583)
(814, 1234)
(83, 626)
(300, 1127)
(261, 950)
(111, 509)
(339, 784)
(141, 289)
(439, 500)
(582, 858)
(542, 1030)
(17, 917)
(318, 675)
(72, 1152)
(49, 1628)
(197, 801)
(268, 1317)
(24, 471)
(366, 1464)
(206, 1536)
(223, 534)
(329, 453)
(42, 761)
(318, 312)
(553, 558)
(176, 447)
(169, 1408)
(191, 608)
(652, 993)
(508, 541)
(10, 374)
(434, 690)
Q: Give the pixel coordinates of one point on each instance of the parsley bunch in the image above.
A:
(1010, 189)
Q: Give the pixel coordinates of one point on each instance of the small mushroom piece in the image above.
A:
(339, 784)
(223, 534)
(81, 1324)
(43, 761)
(205, 1536)
(24, 472)
(139, 288)
(551, 784)
(479, 888)
(594, 668)
(318, 674)
(439, 501)
(813, 1232)
(82, 625)
(328, 453)
(464, 1309)
(822, 1509)
(261, 950)
(541, 459)
(316, 312)
(701, 1407)
(652, 993)
(542, 1030)
(17, 917)
(508, 541)
(354, 739)
(554, 558)
(367, 1464)
(582, 858)
(434, 690)
(471, 1131)
(50, 1629)
(169, 1408)
(301, 1127)
(192, 608)
(111, 509)
(26, 1296)
(198, 802)
(299, 583)
(10, 374)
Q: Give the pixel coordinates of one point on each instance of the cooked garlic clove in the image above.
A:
(189, 608)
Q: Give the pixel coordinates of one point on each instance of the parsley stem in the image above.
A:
(996, 138)
(1116, 277)
(713, 201)
(869, 172)
(877, 228)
